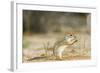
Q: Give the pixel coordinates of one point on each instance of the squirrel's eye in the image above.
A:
(70, 34)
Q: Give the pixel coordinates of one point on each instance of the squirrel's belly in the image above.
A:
(61, 48)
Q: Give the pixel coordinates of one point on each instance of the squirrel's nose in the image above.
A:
(74, 36)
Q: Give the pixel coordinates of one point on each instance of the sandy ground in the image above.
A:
(33, 48)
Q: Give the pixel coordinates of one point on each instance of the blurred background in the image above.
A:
(51, 21)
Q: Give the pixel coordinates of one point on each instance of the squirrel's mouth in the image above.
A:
(75, 41)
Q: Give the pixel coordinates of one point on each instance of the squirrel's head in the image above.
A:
(70, 39)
